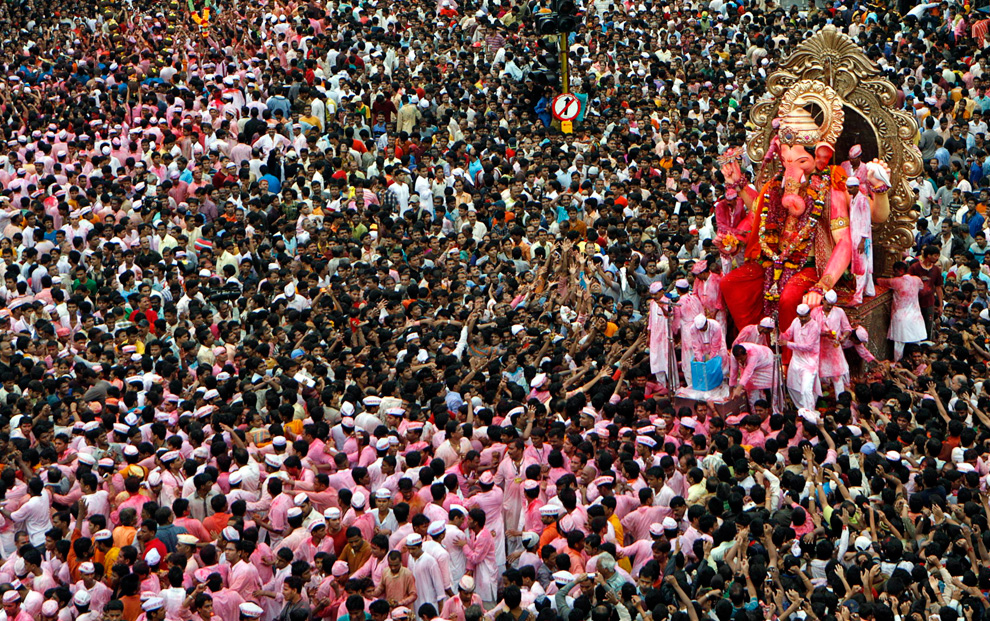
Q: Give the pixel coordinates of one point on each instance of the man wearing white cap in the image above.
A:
(426, 571)
(453, 608)
(759, 333)
(703, 339)
(658, 332)
(803, 338)
(435, 547)
(154, 609)
(854, 166)
(454, 535)
(688, 306)
(99, 592)
(12, 607)
(835, 328)
(861, 230)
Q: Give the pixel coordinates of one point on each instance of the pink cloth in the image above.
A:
(480, 554)
(702, 345)
(758, 372)
(244, 579)
(833, 361)
(751, 334)
(906, 322)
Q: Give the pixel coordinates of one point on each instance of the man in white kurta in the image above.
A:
(702, 339)
(426, 572)
(435, 548)
(907, 324)
(803, 338)
(861, 229)
(751, 370)
(835, 327)
(658, 330)
(453, 541)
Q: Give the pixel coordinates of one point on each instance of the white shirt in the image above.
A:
(36, 517)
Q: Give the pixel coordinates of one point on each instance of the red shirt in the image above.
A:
(156, 544)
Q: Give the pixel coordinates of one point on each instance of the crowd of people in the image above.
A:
(311, 311)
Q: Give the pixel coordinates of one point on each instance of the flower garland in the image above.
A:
(791, 253)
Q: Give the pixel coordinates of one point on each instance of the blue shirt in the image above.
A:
(942, 155)
(974, 221)
(975, 174)
(274, 185)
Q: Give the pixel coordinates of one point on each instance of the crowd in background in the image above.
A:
(310, 311)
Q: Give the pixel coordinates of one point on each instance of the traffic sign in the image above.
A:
(566, 107)
(567, 127)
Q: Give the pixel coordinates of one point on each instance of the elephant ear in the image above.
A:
(823, 154)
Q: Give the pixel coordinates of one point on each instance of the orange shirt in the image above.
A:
(124, 536)
(132, 607)
(216, 523)
(549, 534)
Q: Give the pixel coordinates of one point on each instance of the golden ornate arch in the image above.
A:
(832, 58)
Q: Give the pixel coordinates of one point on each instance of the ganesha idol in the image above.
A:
(798, 242)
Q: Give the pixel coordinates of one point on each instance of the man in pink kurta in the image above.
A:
(758, 333)
(510, 477)
(708, 285)
(479, 550)
(803, 338)
(491, 500)
(702, 339)
(751, 370)
(658, 330)
(316, 542)
(688, 306)
(835, 327)
(226, 602)
(243, 577)
(135, 502)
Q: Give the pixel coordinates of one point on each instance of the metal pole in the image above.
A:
(777, 396)
(564, 74)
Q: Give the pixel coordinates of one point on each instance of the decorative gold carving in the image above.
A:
(797, 126)
(832, 59)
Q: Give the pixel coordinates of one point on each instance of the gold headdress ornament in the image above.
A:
(798, 127)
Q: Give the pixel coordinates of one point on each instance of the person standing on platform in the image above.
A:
(835, 328)
(907, 321)
(861, 229)
(803, 338)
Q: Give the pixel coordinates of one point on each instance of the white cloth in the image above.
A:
(659, 335)
(429, 581)
(906, 322)
(802, 373)
(861, 230)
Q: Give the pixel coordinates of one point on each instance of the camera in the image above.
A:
(228, 292)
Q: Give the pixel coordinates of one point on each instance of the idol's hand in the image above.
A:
(812, 299)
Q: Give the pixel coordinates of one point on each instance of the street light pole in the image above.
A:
(564, 73)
